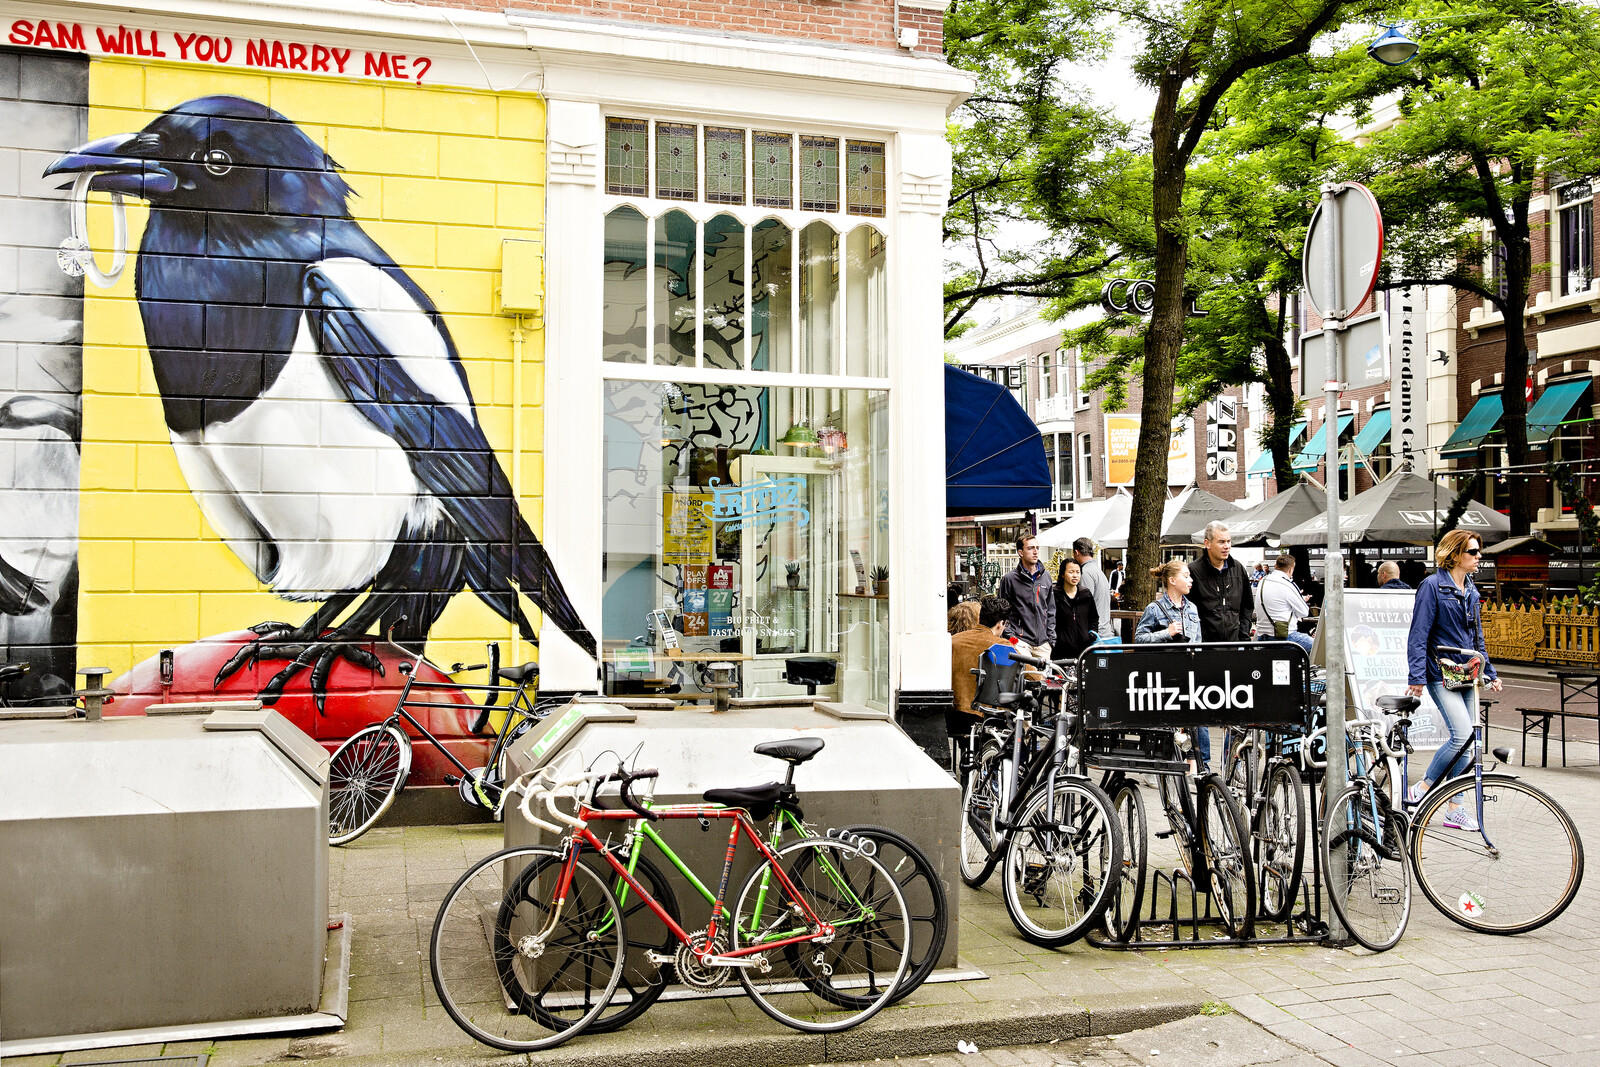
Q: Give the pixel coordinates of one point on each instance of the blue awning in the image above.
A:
(1479, 423)
(1373, 433)
(993, 453)
(1551, 409)
(1263, 463)
(1317, 444)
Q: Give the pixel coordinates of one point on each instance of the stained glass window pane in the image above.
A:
(772, 169)
(819, 173)
(724, 165)
(677, 175)
(865, 187)
(627, 157)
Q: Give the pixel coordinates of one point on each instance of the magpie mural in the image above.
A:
(316, 402)
(45, 99)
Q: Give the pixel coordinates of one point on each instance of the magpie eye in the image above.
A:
(216, 161)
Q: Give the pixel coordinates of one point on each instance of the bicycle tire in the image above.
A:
(1070, 865)
(1122, 911)
(365, 774)
(1366, 839)
(1280, 833)
(980, 811)
(926, 905)
(641, 982)
(486, 980)
(809, 986)
(1225, 856)
(1178, 802)
(1475, 887)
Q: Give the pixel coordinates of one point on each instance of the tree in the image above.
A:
(1499, 97)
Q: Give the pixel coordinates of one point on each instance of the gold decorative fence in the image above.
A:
(1537, 634)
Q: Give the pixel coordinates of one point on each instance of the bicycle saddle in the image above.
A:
(522, 675)
(795, 750)
(9, 671)
(1400, 705)
(758, 800)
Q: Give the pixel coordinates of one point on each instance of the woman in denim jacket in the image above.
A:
(1447, 612)
(1171, 616)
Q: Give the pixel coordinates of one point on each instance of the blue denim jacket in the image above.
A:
(1153, 624)
(1442, 614)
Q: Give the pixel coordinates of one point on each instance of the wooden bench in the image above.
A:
(1580, 699)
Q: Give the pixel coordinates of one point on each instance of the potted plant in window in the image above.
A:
(880, 581)
(792, 574)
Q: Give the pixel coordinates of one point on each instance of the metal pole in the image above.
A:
(1333, 563)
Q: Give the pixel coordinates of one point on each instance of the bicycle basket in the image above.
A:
(1462, 668)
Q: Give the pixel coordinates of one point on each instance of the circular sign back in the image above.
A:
(1360, 251)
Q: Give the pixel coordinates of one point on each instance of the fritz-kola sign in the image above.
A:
(1211, 683)
(1149, 691)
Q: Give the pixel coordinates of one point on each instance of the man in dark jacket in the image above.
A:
(1032, 595)
(1389, 576)
(1221, 590)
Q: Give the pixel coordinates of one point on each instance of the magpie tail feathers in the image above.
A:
(526, 564)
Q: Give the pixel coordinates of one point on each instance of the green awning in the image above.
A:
(1317, 444)
(1479, 423)
(1551, 409)
(1372, 435)
(1263, 463)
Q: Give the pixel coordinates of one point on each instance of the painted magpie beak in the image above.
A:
(313, 394)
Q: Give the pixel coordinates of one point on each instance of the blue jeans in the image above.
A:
(1303, 640)
(1460, 711)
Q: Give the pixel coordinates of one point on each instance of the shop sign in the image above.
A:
(767, 501)
(1377, 623)
(216, 48)
(1408, 392)
(1122, 450)
(1222, 439)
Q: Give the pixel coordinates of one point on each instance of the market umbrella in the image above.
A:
(1097, 520)
(1402, 508)
(1271, 518)
(993, 453)
(1180, 515)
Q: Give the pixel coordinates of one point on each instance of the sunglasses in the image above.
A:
(1474, 551)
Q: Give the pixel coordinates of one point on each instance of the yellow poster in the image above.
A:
(685, 528)
(1122, 449)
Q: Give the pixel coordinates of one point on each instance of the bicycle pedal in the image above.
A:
(453, 779)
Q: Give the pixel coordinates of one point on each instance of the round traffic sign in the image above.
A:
(1360, 247)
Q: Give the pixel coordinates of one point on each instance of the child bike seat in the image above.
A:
(795, 750)
(758, 800)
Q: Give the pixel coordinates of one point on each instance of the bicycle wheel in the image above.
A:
(810, 985)
(1225, 855)
(365, 774)
(1364, 855)
(515, 971)
(1516, 874)
(1122, 911)
(980, 810)
(1062, 862)
(1280, 833)
(926, 907)
(1177, 800)
(642, 982)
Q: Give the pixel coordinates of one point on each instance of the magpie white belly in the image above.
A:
(307, 492)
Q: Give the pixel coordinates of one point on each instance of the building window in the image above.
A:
(627, 157)
(1497, 270)
(772, 169)
(1081, 371)
(1046, 379)
(1086, 448)
(1063, 471)
(724, 165)
(866, 187)
(1576, 222)
(819, 174)
(677, 172)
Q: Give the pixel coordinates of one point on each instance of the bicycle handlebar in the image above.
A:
(627, 796)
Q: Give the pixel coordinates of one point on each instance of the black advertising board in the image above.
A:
(1256, 683)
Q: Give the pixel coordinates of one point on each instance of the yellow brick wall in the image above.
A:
(442, 177)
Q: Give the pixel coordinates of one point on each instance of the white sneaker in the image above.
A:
(1415, 794)
(1460, 818)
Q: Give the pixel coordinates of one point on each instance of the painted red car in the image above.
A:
(356, 697)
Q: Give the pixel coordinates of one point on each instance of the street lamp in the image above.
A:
(1393, 48)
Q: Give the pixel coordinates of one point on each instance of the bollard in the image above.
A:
(94, 694)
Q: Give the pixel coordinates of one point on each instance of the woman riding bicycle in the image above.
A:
(1447, 613)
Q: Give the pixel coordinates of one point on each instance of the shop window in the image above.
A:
(626, 281)
(867, 300)
(772, 297)
(1575, 220)
(724, 165)
(866, 191)
(627, 157)
(673, 289)
(819, 173)
(819, 299)
(727, 531)
(677, 172)
(772, 169)
(722, 317)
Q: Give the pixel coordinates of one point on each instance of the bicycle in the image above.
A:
(1364, 848)
(1208, 827)
(1257, 767)
(1032, 811)
(370, 768)
(532, 935)
(643, 980)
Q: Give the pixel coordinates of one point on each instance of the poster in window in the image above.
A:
(686, 528)
(1122, 449)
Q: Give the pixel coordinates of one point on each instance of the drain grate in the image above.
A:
(198, 1059)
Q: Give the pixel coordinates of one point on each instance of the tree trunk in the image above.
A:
(1162, 342)
(1280, 406)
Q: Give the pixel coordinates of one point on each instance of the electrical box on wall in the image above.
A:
(522, 278)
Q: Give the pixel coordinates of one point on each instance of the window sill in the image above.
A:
(1482, 319)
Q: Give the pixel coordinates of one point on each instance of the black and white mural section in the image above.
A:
(43, 112)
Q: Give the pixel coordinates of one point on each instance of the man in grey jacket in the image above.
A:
(1033, 603)
(1094, 580)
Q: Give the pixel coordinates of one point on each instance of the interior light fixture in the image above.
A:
(799, 437)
